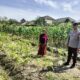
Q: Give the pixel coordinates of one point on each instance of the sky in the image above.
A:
(31, 9)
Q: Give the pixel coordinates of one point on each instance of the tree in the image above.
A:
(40, 21)
(67, 20)
(12, 21)
(23, 20)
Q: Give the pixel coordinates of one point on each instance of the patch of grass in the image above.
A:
(51, 76)
(4, 75)
(15, 47)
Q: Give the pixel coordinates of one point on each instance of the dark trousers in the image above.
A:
(72, 53)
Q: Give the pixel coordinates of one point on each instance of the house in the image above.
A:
(31, 22)
(48, 20)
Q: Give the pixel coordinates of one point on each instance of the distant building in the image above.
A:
(32, 23)
(3, 18)
(29, 23)
(48, 20)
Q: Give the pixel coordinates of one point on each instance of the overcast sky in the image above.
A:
(30, 9)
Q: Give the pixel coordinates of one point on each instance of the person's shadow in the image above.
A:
(55, 69)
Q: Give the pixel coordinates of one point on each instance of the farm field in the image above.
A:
(19, 61)
(39, 40)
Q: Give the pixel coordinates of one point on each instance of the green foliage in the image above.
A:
(57, 34)
(40, 21)
(15, 42)
(4, 75)
(20, 51)
(15, 47)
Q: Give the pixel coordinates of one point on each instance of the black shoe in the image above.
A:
(65, 64)
(72, 66)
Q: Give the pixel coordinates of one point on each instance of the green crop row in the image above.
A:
(56, 34)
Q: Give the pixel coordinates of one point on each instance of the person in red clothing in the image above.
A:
(42, 43)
